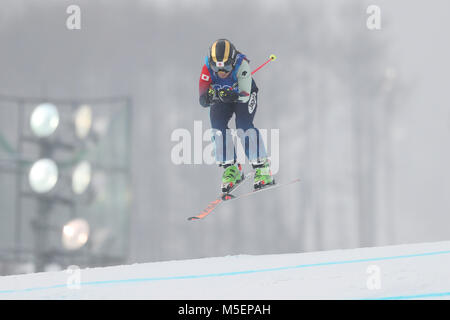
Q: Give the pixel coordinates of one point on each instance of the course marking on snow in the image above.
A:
(416, 296)
(243, 272)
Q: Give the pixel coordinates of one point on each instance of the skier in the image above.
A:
(227, 87)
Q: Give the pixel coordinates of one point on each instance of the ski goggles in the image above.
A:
(217, 67)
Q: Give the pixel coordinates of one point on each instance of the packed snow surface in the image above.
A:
(412, 271)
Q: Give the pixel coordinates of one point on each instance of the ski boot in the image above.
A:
(231, 177)
(263, 174)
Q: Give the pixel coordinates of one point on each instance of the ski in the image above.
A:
(269, 187)
(228, 197)
(223, 197)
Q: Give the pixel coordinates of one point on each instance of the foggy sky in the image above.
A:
(329, 72)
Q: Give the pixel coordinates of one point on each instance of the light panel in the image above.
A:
(43, 175)
(81, 177)
(75, 234)
(44, 120)
(83, 121)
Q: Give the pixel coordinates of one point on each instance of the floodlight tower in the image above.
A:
(43, 175)
(73, 188)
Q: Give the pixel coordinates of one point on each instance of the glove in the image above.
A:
(208, 97)
(211, 94)
(228, 95)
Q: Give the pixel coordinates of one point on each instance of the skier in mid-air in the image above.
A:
(227, 87)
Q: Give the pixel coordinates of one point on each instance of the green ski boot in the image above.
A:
(263, 174)
(231, 177)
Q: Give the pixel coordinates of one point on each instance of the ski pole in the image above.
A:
(271, 58)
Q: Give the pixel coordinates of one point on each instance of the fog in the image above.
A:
(362, 114)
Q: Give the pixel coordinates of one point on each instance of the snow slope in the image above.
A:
(413, 271)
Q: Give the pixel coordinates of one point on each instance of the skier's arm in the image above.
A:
(203, 87)
(244, 76)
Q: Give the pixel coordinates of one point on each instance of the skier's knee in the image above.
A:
(249, 131)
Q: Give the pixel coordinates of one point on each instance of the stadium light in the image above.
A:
(43, 175)
(44, 120)
(75, 234)
(81, 177)
(83, 121)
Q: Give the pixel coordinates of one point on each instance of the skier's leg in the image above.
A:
(220, 114)
(249, 135)
(252, 141)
